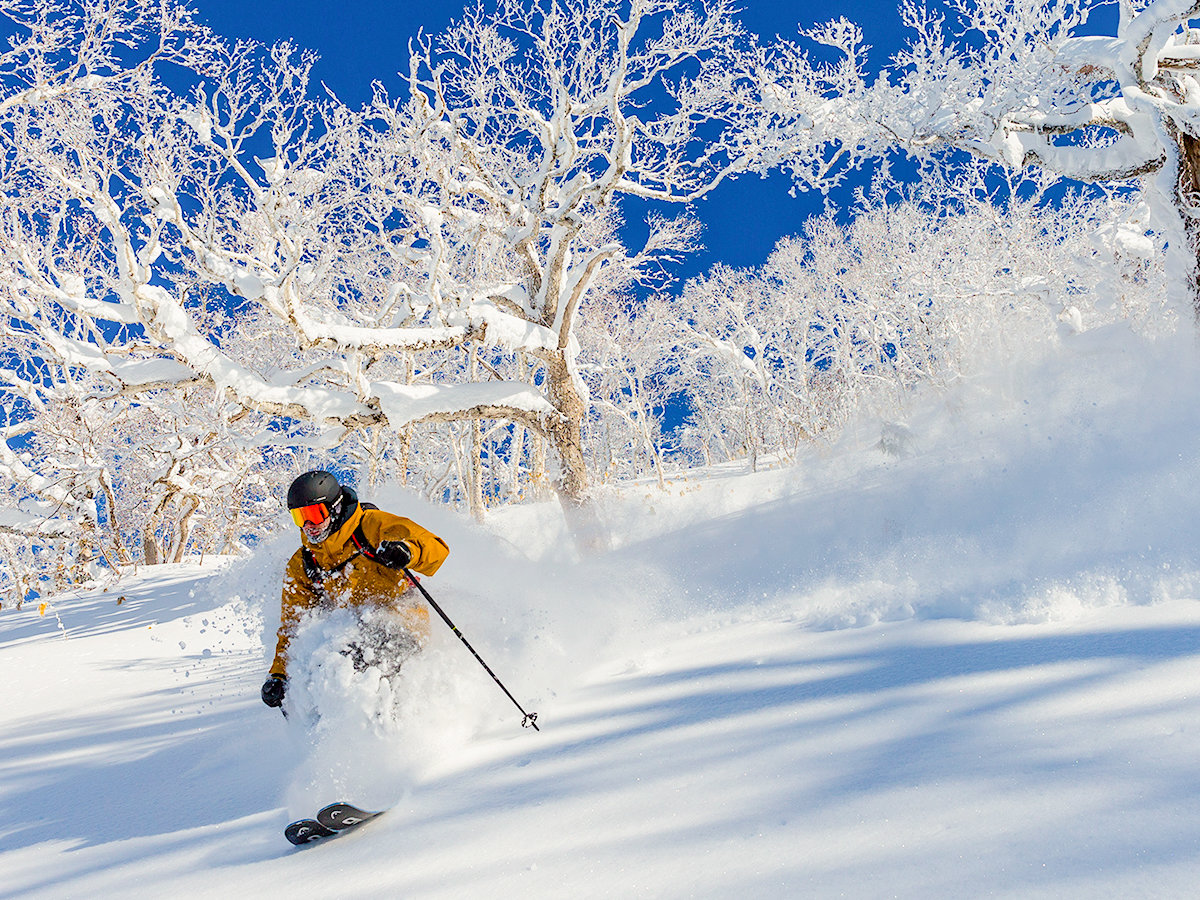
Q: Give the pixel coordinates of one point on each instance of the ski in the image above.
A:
(332, 820)
(340, 816)
(304, 831)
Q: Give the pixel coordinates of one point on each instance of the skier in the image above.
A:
(354, 555)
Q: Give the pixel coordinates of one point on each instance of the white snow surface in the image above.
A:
(962, 667)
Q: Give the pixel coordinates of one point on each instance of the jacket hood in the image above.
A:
(349, 506)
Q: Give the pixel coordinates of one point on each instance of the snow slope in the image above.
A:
(964, 667)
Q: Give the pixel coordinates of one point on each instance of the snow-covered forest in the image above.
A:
(215, 273)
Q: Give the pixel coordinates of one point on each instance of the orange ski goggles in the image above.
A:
(315, 514)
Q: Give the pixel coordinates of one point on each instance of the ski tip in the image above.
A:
(341, 815)
(350, 807)
(305, 831)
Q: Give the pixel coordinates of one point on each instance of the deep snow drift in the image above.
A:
(961, 666)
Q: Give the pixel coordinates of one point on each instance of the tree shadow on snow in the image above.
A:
(106, 612)
(135, 772)
(646, 725)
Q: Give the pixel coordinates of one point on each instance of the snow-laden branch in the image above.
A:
(228, 233)
(1019, 82)
(406, 404)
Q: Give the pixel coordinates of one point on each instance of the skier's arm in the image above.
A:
(428, 550)
(298, 593)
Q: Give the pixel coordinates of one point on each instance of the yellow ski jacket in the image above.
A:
(343, 576)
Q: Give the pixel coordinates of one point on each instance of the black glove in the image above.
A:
(273, 690)
(393, 554)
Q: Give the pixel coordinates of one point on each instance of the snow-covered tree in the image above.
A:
(337, 270)
(112, 364)
(1024, 83)
(622, 363)
(925, 285)
(522, 129)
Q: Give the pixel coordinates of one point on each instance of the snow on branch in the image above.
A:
(1024, 83)
(315, 270)
(406, 404)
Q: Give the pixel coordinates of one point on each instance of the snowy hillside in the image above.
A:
(960, 661)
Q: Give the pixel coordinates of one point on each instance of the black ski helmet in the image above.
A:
(317, 486)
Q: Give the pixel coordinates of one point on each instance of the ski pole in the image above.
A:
(530, 719)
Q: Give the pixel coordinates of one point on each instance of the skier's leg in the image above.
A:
(388, 642)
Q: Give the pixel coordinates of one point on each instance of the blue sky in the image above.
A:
(364, 40)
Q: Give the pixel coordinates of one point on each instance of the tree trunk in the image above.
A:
(404, 453)
(567, 436)
(475, 472)
(184, 531)
(1188, 203)
(114, 525)
(150, 550)
(475, 458)
(537, 468)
